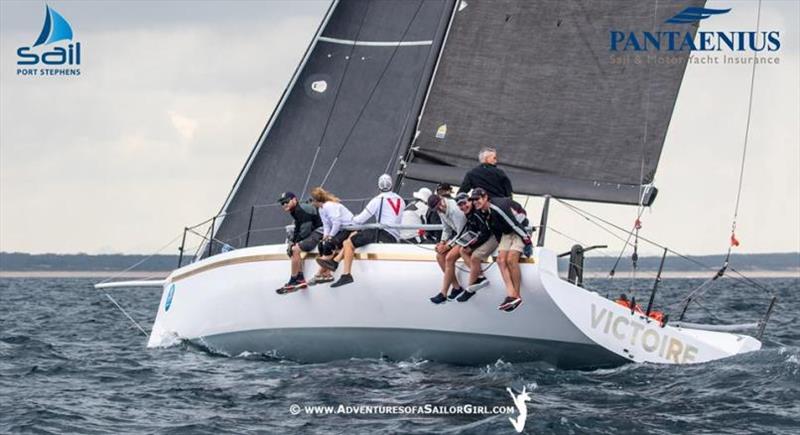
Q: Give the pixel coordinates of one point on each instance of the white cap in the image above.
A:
(385, 183)
(423, 194)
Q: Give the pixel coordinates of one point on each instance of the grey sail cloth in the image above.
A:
(347, 119)
(535, 80)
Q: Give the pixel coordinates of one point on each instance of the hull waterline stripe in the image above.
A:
(375, 43)
(372, 256)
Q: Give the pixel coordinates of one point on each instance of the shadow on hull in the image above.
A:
(312, 345)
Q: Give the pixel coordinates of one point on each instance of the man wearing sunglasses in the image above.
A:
(305, 237)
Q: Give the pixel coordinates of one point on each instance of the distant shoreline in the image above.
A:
(645, 274)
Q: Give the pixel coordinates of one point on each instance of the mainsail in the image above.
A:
(346, 117)
(535, 79)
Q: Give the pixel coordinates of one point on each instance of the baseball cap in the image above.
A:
(477, 193)
(286, 197)
(462, 198)
(434, 200)
(385, 183)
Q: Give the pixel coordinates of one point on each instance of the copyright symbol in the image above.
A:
(295, 409)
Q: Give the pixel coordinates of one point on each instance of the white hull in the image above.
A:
(228, 303)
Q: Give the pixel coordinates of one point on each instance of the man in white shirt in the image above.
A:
(387, 208)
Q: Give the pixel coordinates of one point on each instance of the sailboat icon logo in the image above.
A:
(56, 28)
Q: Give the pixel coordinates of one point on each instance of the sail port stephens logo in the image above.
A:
(45, 58)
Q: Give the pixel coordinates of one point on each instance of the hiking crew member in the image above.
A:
(333, 215)
(414, 214)
(488, 176)
(387, 208)
(447, 251)
(478, 248)
(305, 237)
(514, 240)
(445, 190)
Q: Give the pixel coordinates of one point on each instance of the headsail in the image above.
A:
(535, 79)
(347, 116)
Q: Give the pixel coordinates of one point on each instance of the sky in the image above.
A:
(173, 95)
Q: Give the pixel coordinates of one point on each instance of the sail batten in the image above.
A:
(536, 80)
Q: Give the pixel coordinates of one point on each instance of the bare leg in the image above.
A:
(450, 269)
(348, 252)
(474, 268)
(502, 263)
(440, 258)
(513, 268)
(297, 262)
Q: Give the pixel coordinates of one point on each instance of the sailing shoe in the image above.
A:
(480, 283)
(328, 263)
(503, 305)
(320, 279)
(345, 279)
(288, 287)
(439, 298)
(511, 306)
(455, 292)
(465, 296)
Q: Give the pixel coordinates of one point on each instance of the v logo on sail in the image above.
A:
(56, 28)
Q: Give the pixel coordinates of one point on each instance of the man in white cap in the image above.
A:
(415, 214)
(387, 209)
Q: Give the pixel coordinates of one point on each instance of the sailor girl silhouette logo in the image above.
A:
(53, 53)
(521, 402)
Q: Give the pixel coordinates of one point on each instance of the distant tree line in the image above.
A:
(18, 261)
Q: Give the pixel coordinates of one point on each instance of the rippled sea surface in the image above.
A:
(70, 362)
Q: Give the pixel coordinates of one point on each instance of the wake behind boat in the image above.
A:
(416, 89)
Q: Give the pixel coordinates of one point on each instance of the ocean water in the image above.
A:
(70, 362)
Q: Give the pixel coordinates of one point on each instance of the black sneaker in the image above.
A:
(465, 296)
(480, 283)
(288, 287)
(301, 283)
(439, 298)
(503, 305)
(328, 263)
(455, 292)
(345, 279)
(511, 306)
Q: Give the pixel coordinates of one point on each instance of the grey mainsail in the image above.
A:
(535, 80)
(345, 119)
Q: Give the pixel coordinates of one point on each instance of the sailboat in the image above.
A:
(415, 88)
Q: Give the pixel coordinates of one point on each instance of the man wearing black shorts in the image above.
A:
(305, 237)
(386, 208)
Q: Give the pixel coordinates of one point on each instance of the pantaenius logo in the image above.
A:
(44, 51)
(638, 41)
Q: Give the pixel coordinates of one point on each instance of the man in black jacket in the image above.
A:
(305, 237)
(514, 241)
(477, 248)
(488, 176)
